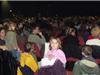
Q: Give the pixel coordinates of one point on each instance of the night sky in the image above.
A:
(49, 8)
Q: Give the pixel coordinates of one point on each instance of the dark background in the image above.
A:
(51, 8)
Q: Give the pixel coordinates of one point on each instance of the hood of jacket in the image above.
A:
(88, 66)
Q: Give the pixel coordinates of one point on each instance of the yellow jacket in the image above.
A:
(28, 60)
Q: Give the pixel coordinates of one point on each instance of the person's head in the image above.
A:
(73, 32)
(55, 43)
(87, 50)
(36, 30)
(1, 25)
(20, 26)
(28, 47)
(12, 25)
(95, 32)
(2, 32)
(67, 29)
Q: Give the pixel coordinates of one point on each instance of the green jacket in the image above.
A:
(36, 39)
(11, 40)
(86, 67)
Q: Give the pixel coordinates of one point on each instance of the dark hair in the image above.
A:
(34, 25)
(87, 50)
(28, 47)
(2, 28)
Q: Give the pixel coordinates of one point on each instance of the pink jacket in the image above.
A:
(58, 54)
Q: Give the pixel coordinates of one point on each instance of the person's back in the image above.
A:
(86, 66)
(28, 65)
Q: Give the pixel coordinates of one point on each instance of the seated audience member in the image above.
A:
(95, 32)
(2, 39)
(95, 42)
(37, 37)
(70, 45)
(11, 40)
(54, 61)
(34, 50)
(28, 62)
(8, 65)
(87, 65)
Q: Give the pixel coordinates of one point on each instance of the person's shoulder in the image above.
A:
(60, 51)
(31, 35)
(77, 62)
(93, 42)
(26, 55)
(89, 63)
(8, 32)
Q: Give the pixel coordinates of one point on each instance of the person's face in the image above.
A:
(95, 32)
(73, 34)
(13, 26)
(2, 33)
(54, 44)
(36, 30)
(20, 26)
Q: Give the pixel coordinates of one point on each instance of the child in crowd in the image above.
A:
(27, 62)
(54, 58)
(86, 66)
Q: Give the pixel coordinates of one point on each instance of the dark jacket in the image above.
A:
(56, 69)
(8, 65)
(70, 46)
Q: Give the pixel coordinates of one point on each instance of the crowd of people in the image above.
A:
(22, 44)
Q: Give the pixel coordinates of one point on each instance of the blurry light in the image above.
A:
(5, 5)
(10, 10)
(5, 0)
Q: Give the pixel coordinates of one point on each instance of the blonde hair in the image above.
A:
(58, 40)
(95, 32)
